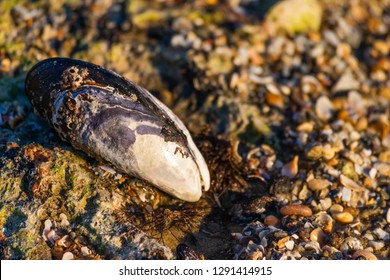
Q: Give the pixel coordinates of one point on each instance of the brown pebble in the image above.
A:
(343, 115)
(365, 254)
(318, 235)
(318, 184)
(296, 209)
(385, 92)
(274, 99)
(361, 124)
(343, 217)
(369, 183)
(271, 220)
(336, 208)
(385, 156)
(383, 168)
(328, 152)
(315, 153)
(281, 242)
(306, 127)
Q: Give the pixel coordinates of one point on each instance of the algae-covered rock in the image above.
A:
(52, 203)
(295, 16)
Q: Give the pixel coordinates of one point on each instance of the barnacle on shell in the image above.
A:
(118, 122)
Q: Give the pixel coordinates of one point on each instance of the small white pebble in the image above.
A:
(376, 245)
(308, 225)
(326, 203)
(85, 251)
(367, 152)
(324, 108)
(373, 172)
(349, 183)
(289, 245)
(383, 168)
(295, 236)
(369, 236)
(64, 220)
(346, 194)
(354, 136)
(63, 216)
(356, 102)
(358, 169)
(48, 224)
(47, 229)
(68, 256)
(388, 216)
(382, 234)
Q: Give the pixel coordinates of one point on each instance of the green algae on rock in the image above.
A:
(295, 16)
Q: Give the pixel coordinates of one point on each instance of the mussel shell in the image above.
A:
(118, 122)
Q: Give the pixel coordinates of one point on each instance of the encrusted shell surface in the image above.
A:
(116, 121)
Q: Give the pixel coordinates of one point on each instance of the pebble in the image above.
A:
(356, 103)
(289, 245)
(328, 152)
(324, 108)
(331, 38)
(376, 245)
(274, 100)
(306, 127)
(351, 243)
(383, 168)
(382, 234)
(318, 235)
(64, 220)
(369, 236)
(346, 82)
(272, 220)
(388, 216)
(343, 217)
(282, 242)
(68, 256)
(315, 152)
(325, 222)
(85, 251)
(49, 233)
(296, 209)
(349, 183)
(318, 184)
(346, 194)
(336, 208)
(326, 203)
